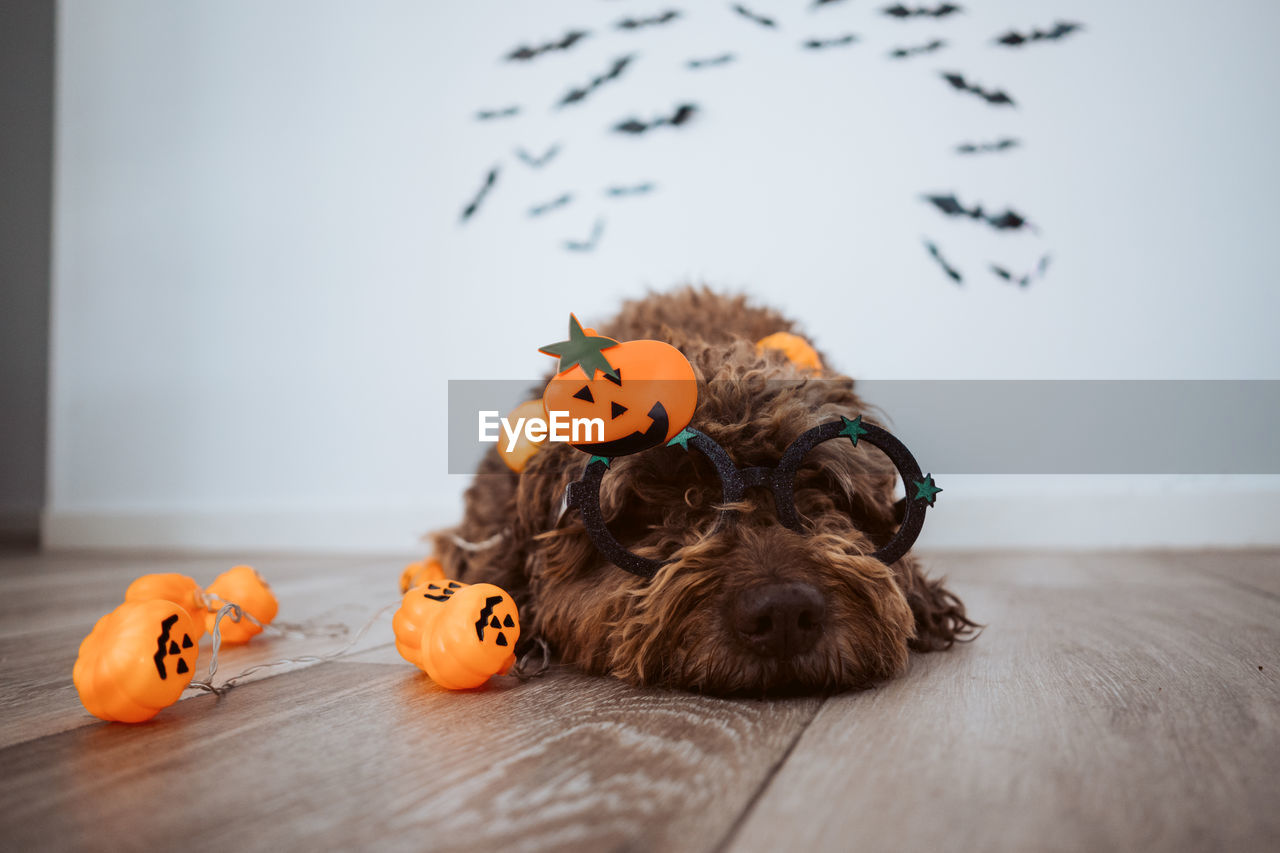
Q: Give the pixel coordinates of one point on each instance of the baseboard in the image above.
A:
(1212, 519)
(1220, 516)
(19, 527)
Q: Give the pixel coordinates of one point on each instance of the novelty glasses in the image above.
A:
(584, 494)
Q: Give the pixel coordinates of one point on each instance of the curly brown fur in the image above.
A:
(676, 629)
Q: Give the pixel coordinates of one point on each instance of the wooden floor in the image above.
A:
(1115, 702)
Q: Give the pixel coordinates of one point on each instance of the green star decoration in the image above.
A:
(926, 490)
(594, 459)
(682, 438)
(853, 428)
(582, 350)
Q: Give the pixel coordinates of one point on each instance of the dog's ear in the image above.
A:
(940, 616)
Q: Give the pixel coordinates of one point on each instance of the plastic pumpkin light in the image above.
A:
(423, 571)
(243, 586)
(644, 392)
(179, 589)
(458, 634)
(136, 661)
(418, 608)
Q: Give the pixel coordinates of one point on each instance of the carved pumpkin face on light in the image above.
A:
(174, 587)
(458, 634)
(644, 392)
(243, 586)
(136, 661)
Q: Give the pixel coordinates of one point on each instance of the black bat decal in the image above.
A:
(1021, 281)
(900, 11)
(951, 271)
(1061, 29)
(573, 96)
(1025, 279)
(752, 16)
(637, 189)
(951, 206)
(490, 115)
(491, 179)
(1003, 144)
(538, 162)
(927, 47)
(524, 53)
(996, 97)
(819, 44)
(710, 62)
(554, 204)
(590, 243)
(681, 116)
(656, 21)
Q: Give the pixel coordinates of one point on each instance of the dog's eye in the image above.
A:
(856, 483)
(659, 501)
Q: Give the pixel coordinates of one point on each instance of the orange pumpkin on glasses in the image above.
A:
(644, 392)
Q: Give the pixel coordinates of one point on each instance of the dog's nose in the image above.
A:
(779, 620)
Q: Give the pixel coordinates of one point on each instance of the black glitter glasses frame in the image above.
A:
(584, 494)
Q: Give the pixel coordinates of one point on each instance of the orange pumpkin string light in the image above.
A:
(420, 572)
(136, 661)
(243, 586)
(458, 634)
(140, 657)
(237, 613)
(174, 587)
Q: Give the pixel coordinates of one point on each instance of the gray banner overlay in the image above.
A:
(1016, 426)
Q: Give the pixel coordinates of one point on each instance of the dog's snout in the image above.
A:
(779, 620)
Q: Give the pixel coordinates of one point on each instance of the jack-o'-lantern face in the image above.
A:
(473, 637)
(172, 651)
(643, 392)
(419, 607)
(497, 619)
(137, 660)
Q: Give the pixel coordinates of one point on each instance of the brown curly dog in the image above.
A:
(748, 607)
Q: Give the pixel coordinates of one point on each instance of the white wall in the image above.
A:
(261, 286)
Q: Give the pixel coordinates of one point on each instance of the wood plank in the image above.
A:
(49, 603)
(1256, 569)
(1116, 702)
(357, 755)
